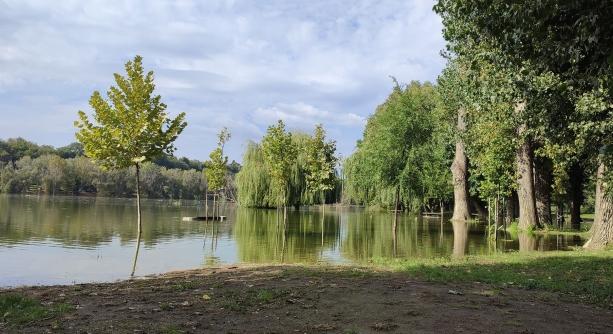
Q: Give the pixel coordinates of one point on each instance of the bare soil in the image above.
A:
(291, 299)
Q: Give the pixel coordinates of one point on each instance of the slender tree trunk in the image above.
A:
(560, 214)
(206, 203)
(459, 170)
(509, 210)
(525, 181)
(576, 180)
(543, 179)
(602, 229)
(138, 218)
(214, 206)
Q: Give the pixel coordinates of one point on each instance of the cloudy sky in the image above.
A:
(240, 64)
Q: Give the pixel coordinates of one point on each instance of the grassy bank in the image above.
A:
(587, 275)
(17, 309)
(578, 277)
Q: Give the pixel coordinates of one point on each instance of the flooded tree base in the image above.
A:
(292, 299)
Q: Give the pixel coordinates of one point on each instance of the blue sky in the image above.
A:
(240, 64)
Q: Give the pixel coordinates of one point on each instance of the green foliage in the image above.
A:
(321, 162)
(279, 156)
(131, 126)
(255, 185)
(405, 145)
(216, 167)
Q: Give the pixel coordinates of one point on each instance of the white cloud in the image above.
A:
(241, 64)
(305, 116)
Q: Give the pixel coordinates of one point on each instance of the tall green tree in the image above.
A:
(279, 156)
(216, 168)
(130, 126)
(570, 42)
(321, 164)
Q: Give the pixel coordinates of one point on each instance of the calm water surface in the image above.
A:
(60, 240)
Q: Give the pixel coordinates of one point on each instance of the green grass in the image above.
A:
(241, 301)
(16, 309)
(184, 286)
(171, 329)
(586, 275)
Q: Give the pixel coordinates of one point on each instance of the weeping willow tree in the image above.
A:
(402, 160)
(253, 182)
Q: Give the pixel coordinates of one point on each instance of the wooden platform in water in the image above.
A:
(204, 218)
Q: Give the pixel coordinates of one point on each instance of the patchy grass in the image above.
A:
(587, 275)
(16, 309)
(171, 329)
(184, 286)
(242, 301)
(584, 232)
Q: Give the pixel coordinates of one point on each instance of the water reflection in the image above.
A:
(58, 240)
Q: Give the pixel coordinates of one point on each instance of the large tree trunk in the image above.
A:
(543, 179)
(576, 180)
(460, 238)
(138, 219)
(525, 181)
(459, 170)
(602, 230)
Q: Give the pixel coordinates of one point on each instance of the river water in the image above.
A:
(63, 240)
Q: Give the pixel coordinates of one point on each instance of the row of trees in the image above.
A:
(288, 169)
(53, 175)
(529, 85)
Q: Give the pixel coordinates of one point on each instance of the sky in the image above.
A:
(238, 64)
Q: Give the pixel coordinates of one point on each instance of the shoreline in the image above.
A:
(397, 297)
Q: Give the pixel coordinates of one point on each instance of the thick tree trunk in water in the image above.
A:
(460, 238)
(576, 179)
(602, 230)
(527, 242)
(543, 179)
(525, 181)
(138, 218)
(459, 170)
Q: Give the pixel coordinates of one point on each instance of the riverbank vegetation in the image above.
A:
(305, 172)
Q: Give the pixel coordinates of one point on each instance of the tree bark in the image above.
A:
(459, 170)
(460, 238)
(525, 181)
(602, 229)
(138, 218)
(576, 180)
(543, 179)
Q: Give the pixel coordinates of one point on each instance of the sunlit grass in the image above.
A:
(587, 275)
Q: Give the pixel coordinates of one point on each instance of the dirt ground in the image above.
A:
(288, 299)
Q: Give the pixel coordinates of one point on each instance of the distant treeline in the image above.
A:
(26, 167)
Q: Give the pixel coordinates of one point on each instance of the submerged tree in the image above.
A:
(279, 156)
(129, 127)
(565, 46)
(321, 163)
(400, 146)
(216, 169)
